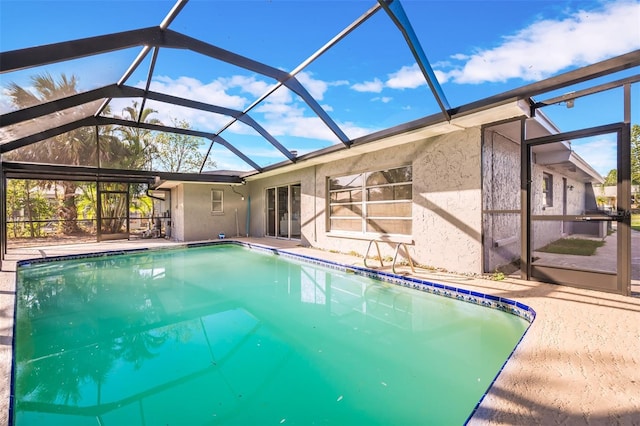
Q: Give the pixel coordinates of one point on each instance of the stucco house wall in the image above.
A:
(193, 201)
(177, 213)
(608, 196)
(501, 197)
(545, 232)
(501, 200)
(449, 193)
(257, 191)
(446, 201)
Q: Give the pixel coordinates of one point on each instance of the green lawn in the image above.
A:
(635, 222)
(575, 246)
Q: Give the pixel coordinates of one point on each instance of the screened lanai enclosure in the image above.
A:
(185, 125)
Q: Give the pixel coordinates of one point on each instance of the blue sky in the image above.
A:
(367, 82)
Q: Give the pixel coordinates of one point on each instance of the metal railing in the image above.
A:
(395, 257)
(367, 253)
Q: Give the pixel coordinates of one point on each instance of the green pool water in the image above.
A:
(228, 335)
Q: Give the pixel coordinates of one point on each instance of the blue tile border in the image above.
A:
(493, 302)
(504, 304)
(470, 296)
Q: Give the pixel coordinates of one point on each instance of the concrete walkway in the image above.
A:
(603, 260)
(579, 363)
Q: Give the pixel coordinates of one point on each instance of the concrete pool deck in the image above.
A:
(579, 363)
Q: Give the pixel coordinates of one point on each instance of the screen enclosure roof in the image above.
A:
(314, 81)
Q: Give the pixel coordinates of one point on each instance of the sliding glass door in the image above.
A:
(283, 211)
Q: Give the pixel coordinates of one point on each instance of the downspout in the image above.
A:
(153, 213)
(153, 196)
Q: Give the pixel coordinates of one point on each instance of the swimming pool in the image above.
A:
(225, 334)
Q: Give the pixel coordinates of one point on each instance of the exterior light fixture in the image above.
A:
(236, 192)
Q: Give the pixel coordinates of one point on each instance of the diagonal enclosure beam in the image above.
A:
(49, 133)
(157, 37)
(61, 104)
(177, 40)
(296, 89)
(219, 139)
(115, 91)
(152, 66)
(178, 130)
(103, 121)
(57, 52)
(396, 12)
(175, 10)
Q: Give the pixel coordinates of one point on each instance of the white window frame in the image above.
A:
(364, 217)
(293, 216)
(547, 189)
(215, 209)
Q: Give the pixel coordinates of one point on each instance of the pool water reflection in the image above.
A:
(224, 334)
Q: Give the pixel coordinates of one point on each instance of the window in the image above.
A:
(547, 190)
(217, 201)
(378, 202)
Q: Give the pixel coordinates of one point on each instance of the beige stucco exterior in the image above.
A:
(465, 189)
(446, 203)
(191, 216)
(545, 232)
(501, 200)
(572, 194)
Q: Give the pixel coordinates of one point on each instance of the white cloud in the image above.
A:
(383, 99)
(214, 93)
(548, 46)
(227, 160)
(599, 153)
(408, 77)
(374, 86)
(457, 56)
(316, 88)
(281, 113)
(442, 77)
(354, 131)
(339, 83)
(246, 84)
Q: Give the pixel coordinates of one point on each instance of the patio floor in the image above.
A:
(604, 258)
(579, 363)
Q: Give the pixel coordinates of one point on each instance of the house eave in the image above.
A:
(421, 129)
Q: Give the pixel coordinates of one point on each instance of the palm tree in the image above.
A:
(129, 148)
(136, 147)
(74, 148)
